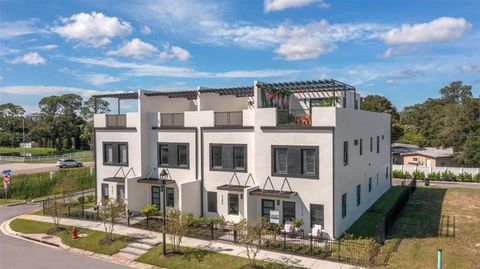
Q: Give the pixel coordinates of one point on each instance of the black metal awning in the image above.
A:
(237, 91)
(156, 181)
(273, 193)
(190, 95)
(228, 187)
(120, 95)
(308, 86)
(115, 179)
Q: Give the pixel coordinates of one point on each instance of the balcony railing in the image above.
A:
(234, 118)
(297, 117)
(116, 120)
(172, 119)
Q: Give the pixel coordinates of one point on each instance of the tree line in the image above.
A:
(453, 120)
(63, 122)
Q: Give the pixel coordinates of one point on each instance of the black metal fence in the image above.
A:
(384, 228)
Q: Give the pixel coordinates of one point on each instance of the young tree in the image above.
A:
(252, 240)
(56, 210)
(177, 227)
(111, 211)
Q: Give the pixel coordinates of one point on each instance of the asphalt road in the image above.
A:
(441, 184)
(30, 168)
(20, 254)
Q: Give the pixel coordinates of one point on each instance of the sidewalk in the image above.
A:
(220, 247)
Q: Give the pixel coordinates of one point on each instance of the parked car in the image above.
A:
(63, 163)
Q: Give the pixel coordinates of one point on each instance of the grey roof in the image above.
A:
(432, 152)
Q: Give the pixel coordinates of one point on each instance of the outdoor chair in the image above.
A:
(316, 231)
(287, 227)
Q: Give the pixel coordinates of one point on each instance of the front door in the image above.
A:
(156, 196)
(267, 206)
(121, 192)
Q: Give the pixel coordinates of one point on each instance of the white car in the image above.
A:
(63, 163)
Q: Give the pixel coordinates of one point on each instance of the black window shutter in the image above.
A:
(294, 161)
(115, 155)
(172, 154)
(227, 156)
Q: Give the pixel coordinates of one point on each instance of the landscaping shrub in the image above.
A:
(398, 174)
(449, 176)
(37, 185)
(418, 174)
(90, 198)
(476, 178)
(81, 200)
(434, 176)
(465, 177)
(407, 175)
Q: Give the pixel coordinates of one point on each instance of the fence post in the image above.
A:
(235, 236)
(284, 240)
(211, 230)
(311, 245)
(147, 221)
(128, 217)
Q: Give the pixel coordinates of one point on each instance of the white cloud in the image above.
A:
(146, 30)
(150, 70)
(135, 48)
(40, 90)
(438, 30)
(388, 53)
(390, 81)
(20, 28)
(470, 68)
(46, 47)
(277, 5)
(174, 52)
(31, 58)
(92, 78)
(94, 29)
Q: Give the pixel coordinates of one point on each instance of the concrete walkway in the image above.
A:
(151, 239)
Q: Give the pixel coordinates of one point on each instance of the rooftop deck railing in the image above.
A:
(116, 120)
(172, 119)
(233, 118)
(297, 117)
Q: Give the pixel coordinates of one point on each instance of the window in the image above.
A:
(386, 172)
(308, 161)
(267, 206)
(228, 157)
(369, 184)
(355, 142)
(378, 144)
(295, 161)
(182, 157)
(377, 179)
(121, 192)
(383, 137)
(361, 146)
(316, 215)
(105, 191)
(344, 205)
(371, 144)
(233, 204)
(115, 153)
(212, 201)
(108, 153)
(239, 157)
(156, 196)
(345, 153)
(415, 159)
(288, 211)
(173, 155)
(280, 163)
(170, 197)
(122, 154)
(359, 193)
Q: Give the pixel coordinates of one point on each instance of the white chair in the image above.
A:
(316, 231)
(288, 227)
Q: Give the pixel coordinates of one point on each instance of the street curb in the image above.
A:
(5, 229)
(15, 204)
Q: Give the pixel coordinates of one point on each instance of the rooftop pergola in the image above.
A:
(325, 85)
(237, 91)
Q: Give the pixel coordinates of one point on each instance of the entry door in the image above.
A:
(121, 192)
(429, 163)
(267, 206)
(156, 196)
(316, 215)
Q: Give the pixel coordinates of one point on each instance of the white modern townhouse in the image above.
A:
(300, 149)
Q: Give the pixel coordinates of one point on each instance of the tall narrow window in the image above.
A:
(369, 184)
(344, 205)
(345, 153)
(156, 196)
(378, 144)
(164, 157)
(359, 194)
(308, 161)
(288, 211)
(108, 153)
(170, 192)
(233, 203)
(239, 158)
(371, 144)
(182, 157)
(316, 215)
(280, 164)
(212, 201)
(105, 191)
(122, 154)
(361, 146)
(267, 206)
(217, 157)
(121, 192)
(386, 172)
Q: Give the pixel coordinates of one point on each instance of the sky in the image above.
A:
(403, 50)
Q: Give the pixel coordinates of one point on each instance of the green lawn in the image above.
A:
(366, 225)
(200, 259)
(10, 201)
(419, 228)
(38, 151)
(89, 242)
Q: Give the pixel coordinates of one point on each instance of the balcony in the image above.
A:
(116, 121)
(294, 117)
(233, 118)
(172, 119)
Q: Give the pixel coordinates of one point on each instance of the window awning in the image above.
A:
(228, 187)
(115, 179)
(156, 181)
(273, 193)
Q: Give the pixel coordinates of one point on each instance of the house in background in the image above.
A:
(301, 150)
(29, 145)
(429, 157)
(399, 148)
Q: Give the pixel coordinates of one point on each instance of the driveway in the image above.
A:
(20, 254)
(30, 168)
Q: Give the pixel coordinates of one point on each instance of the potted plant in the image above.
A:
(297, 224)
